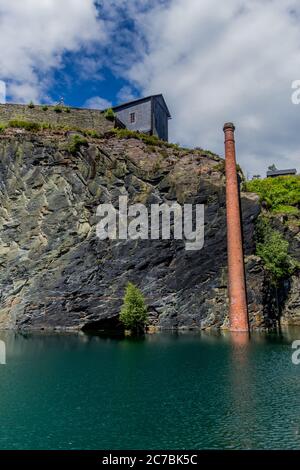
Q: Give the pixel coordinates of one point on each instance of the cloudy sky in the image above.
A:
(213, 61)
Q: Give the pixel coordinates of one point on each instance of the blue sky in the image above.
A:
(77, 90)
(213, 61)
(93, 71)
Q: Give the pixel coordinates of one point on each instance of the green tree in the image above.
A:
(134, 311)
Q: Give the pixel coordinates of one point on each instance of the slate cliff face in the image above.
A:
(55, 273)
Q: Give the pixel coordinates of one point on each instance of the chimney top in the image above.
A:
(229, 125)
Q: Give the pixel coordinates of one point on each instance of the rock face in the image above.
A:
(56, 273)
(291, 311)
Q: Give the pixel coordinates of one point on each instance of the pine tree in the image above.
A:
(134, 311)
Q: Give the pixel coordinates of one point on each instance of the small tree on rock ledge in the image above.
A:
(109, 114)
(134, 311)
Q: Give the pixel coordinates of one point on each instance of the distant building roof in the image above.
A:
(291, 171)
(140, 100)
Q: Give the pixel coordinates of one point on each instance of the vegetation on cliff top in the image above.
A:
(31, 126)
(280, 195)
(150, 140)
(120, 133)
(146, 138)
(109, 114)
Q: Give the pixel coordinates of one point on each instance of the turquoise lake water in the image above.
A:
(167, 391)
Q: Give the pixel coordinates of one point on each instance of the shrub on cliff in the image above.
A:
(109, 114)
(58, 109)
(274, 251)
(281, 194)
(134, 311)
(76, 142)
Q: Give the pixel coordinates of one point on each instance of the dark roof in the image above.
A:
(291, 171)
(140, 100)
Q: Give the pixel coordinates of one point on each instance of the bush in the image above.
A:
(109, 114)
(280, 194)
(134, 311)
(31, 105)
(92, 133)
(284, 209)
(274, 251)
(2, 127)
(77, 141)
(45, 107)
(58, 109)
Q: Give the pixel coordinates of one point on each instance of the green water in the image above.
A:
(165, 391)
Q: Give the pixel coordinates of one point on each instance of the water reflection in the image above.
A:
(242, 388)
(240, 343)
(186, 390)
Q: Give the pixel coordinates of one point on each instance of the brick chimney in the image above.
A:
(238, 311)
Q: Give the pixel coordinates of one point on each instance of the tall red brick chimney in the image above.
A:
(238, 311)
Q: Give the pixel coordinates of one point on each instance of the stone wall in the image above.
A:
(77, 117)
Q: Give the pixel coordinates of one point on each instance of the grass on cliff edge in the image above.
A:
(154, 141)
(36, 127)
(281, 194)
(146, 138)
(27, 125)
(150, 140)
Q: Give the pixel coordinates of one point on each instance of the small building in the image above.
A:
(274, 173)
(149, 115)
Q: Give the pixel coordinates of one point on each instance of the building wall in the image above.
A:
(160, 119)
(143, 116)
(143, 122)
(81, 118)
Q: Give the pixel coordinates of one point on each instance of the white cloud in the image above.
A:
(125, 94)
(35, 34)
(221, 61)
(214, 61)
(96, 102)
(2, 92)
(24, 92)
